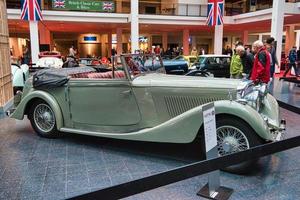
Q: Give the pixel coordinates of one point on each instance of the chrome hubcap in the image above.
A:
(230, 140)
(44, 118)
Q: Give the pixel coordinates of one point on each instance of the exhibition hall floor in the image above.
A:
(286, 92)
(37, 168)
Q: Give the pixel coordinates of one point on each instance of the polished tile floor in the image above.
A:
(286, 92)
(36, 168)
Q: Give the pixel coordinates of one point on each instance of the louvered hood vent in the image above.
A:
(177, 105)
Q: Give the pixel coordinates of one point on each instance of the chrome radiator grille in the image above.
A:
(177, 105)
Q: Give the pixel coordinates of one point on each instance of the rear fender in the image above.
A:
(27, 100)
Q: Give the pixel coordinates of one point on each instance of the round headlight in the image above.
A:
(253, 100)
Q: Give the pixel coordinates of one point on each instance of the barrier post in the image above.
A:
(212, 190)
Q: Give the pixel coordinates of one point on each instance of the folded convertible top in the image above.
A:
(52, 78)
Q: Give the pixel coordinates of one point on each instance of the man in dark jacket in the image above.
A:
(292, 61)
(247, 62)
(270, 47)
(261, 67)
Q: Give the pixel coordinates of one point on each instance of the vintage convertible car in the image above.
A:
(19, 76)
(142, 103)
(49, 60)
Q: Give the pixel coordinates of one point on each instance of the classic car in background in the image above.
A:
(140, 102)
(178, 65)
(20, 73)
(49, 60)
(218, 65)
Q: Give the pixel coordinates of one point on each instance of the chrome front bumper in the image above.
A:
(9, 112)
(279, 134)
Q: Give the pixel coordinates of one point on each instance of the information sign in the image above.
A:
(84, 5)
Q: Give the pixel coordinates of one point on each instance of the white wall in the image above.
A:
(193, 1)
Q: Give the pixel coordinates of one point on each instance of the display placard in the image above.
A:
(84, 5)
(209, 121)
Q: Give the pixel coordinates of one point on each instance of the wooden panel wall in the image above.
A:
(5, 70)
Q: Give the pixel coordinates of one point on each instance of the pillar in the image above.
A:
(45, 35)
(260, 37)
(289, 38)
(34, 41)
(150, 43)
(6, 93)
(218, 40)
(277, 26)
(298, 39)
(245, 37)
(103, 45)
(185, 42)
(109, 44)
(134, 18)
(165, 41)
(119, 6)
(17, 49)
(194, 41)
(119, 41)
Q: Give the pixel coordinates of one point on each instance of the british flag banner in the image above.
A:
(59, 4)
(215, 12)
(107, 6)
(31, 10)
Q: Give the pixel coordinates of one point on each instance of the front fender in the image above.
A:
(37, 94)
(185, 127)
(246, 113)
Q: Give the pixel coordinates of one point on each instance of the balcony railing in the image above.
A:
(175, 9)
(148, 7)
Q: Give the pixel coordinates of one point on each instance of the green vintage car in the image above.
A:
(138, 101)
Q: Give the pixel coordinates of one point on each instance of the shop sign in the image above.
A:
(84, 5)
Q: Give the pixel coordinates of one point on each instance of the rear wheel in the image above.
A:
(42, 119)
(235, 135)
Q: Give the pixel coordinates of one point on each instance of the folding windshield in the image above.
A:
(141, 64)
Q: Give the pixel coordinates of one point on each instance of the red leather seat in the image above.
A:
(105, 75)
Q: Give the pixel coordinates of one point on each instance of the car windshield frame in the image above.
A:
(141, 69)
(201, 59)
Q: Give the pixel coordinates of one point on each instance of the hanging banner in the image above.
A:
(215, 12)
(84, 5)
(31, 10)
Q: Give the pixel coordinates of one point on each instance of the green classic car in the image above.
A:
(138, 101)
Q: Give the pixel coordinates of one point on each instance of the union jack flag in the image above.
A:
(215, 12)
(31, 10)
(107, 6)
(59, 3)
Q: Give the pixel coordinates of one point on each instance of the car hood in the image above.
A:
(155, 80)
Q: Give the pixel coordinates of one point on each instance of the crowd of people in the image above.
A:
(259, 63)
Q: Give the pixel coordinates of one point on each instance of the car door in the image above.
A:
(225, 67)
(102, 102)
(220, 67)
(213, 66)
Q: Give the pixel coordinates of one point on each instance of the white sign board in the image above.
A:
(209, 121)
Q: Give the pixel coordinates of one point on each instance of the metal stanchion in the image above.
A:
(212, 190)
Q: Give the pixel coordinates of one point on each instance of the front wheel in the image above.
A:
(43, 120)
(235, 135)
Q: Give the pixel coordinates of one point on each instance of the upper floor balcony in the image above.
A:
(194, 8)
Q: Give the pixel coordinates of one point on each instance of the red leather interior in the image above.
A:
(106, 75)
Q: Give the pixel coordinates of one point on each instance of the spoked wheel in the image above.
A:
(230, 140)
(235, 135)
(43, 120)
